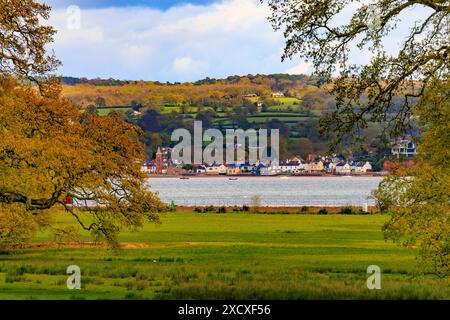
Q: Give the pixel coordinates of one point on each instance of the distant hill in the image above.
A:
(203, 93)
(291, 103)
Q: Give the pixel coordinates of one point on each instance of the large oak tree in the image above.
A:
(395, 89)
(51, 151)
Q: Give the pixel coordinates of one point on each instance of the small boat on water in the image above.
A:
(184, 178)
(233, 179)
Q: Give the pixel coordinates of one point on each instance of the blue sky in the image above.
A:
(172, 40)
(95, 4)
(166, 40)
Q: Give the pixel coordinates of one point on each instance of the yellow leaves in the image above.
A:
(23, 39)
(153, 94)
(49, 150)
(18, 226)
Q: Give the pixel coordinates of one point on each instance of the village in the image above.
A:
(163, 165)
(313, 166)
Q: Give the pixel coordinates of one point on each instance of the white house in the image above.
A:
(200, 169)
(233, 170)
(314, 166)
(404, 149)
(293, 167)
(268, 171)
(361, 167)
(277, 94)
(343, 168)
(331, 167)
(216, 169)
(367, 166)
(148, 168)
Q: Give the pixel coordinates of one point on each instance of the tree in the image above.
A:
(392, 89)
(188, 167)
(313, 29)
(150, 121)
(280, 125)
(100, 102)
(418, 198)
(207, 118)
(51, 151)
(304, 147)
(23, 40)
(239, 118)
(136, 106)
(252, 109)
(153, 141)
(283, 149)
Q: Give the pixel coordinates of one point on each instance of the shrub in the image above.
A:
(221, 210)
(208, 209)
(347, 210)
(304, 210)
(255, 203)
(323, 211)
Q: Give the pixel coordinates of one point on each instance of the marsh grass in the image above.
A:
(229, 256)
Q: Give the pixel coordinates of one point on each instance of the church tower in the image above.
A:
(159, 161)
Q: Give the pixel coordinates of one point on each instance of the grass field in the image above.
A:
(227, 256)
(106, 111)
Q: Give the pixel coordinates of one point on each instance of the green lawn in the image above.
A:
(284, 118)
(106, 111)
(287, 100)
(241, 256)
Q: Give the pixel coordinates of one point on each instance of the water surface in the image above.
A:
(273, 191)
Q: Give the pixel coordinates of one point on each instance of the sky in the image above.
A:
(168, 40)
(96, 4)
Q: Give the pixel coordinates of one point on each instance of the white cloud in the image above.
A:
(183, 43)
(180, 44)
(184, 65)
(302, 68)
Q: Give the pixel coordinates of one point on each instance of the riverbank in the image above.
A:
(325, 175)
(279, 210)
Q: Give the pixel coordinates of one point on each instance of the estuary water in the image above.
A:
(273, 191)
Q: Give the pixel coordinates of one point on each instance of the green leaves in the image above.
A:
(386, 88)
(418, 198)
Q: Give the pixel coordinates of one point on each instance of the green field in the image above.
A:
(106, 111)
(227, 256)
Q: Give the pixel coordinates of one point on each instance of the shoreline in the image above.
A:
(278, 209)
(186, 177)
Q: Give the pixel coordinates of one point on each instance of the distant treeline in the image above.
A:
(281, 80)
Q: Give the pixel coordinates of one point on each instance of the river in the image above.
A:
(273, 191)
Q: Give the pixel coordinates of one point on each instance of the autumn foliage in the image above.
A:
(50, 150)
